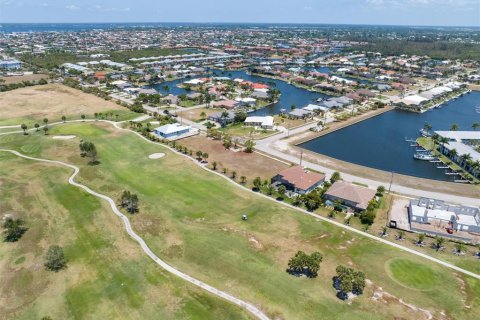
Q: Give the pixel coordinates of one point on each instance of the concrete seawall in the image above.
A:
(346, 123)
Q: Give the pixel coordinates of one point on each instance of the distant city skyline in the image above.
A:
(381, 12)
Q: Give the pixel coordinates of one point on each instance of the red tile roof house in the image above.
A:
(353, 196)
(299, 180)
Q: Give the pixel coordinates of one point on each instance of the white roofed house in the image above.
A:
(264, 122)
(462, 148)
(436, 217)
(172, 131)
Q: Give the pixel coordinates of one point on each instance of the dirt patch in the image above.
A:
(381, 296)
(250, 165)
(50, 101)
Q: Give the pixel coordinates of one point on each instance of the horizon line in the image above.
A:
(238, 22)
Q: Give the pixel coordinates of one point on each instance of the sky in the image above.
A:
(386, 12)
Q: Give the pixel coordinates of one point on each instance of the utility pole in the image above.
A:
(391, 181)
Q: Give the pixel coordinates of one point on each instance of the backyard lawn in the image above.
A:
(192, 219)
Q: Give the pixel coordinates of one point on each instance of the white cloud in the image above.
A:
(72, 7)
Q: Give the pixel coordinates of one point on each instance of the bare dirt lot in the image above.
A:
(27, 77)
(250, 165)
(49, 101)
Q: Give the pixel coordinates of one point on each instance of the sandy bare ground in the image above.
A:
(28, 77)
(156, 155)
(50, 101)
(63, 137)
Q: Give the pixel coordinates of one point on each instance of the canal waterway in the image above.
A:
(290, 95)
(379, 142)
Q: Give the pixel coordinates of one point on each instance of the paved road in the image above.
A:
(222, 294)
(267, 146)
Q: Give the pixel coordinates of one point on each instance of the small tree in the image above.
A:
(205, 156)
(64, 119)
(380, 190)
(335, 177)
(129, 201)
(224, 170)
(83, 117)
(55, 259)
(459, 248)
(24, 128)
(249, 146)
(214, 165)
(37, 126)
(281, 191)
(199, 155)
(45, 129)
(257, 183)
(14, 229)
(270, 190)
(88, 149)
(234, 174)
(439, 241)
(401, 235)
(45, 121)
(420, 239)
(243, 179)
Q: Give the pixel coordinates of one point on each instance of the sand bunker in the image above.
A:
(64, 137)
(156, 155)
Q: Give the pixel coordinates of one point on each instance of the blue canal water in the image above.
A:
(379, 142)
(290, 95)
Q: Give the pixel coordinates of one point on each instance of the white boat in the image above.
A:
(423, 156)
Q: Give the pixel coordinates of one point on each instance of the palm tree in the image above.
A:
(234, 174)
(464, 158)
(214, 165)
(205, 156)
(453, 153)
(454, 127)
(459, 248)
(243, 179)
(439, 241)
(24, 128)
(476, 126)
(427, 127)
(421, 239)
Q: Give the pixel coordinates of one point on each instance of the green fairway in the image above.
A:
(192, 219)
(413, 275)
(107, 276)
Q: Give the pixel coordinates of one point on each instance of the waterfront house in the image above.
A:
(172, 130)
(353, 196)
(297, 179)
(299, 113)
(265, 122)
(227, 104)
(223, 118)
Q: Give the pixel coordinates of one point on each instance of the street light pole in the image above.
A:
(391, 181)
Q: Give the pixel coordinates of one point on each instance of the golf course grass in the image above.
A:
(192, 219)
(413, 275)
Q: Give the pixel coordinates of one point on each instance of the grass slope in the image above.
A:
(193, 220)
(107, 275)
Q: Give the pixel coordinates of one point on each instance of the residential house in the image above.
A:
(353, 196)
(297, 179)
